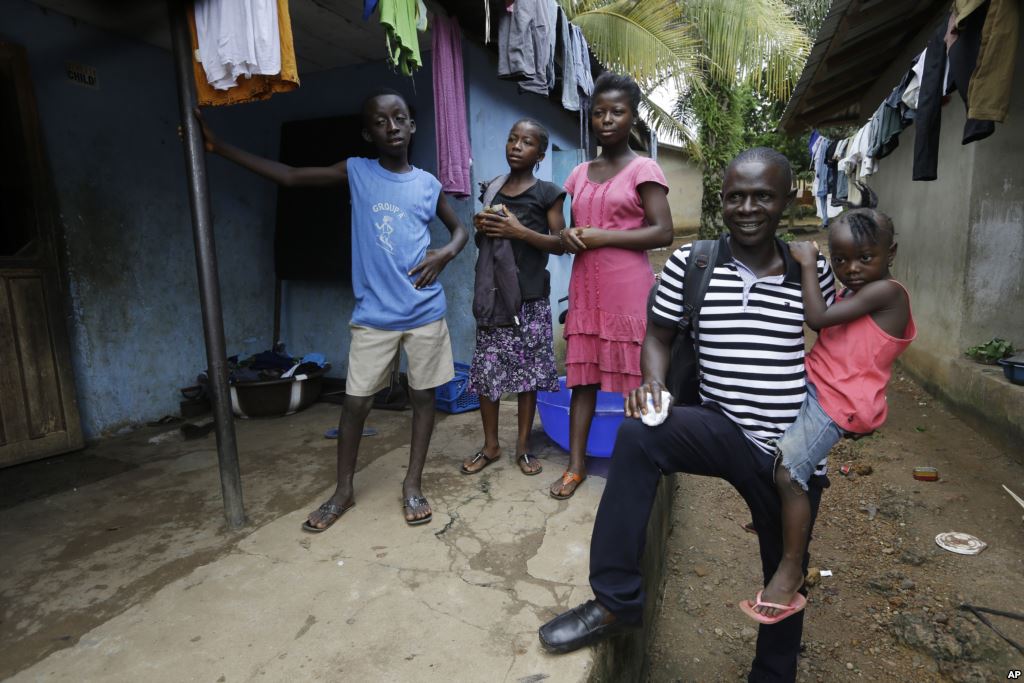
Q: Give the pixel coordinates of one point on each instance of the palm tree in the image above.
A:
(705, 49)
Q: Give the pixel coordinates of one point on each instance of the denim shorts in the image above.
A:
(808, 440)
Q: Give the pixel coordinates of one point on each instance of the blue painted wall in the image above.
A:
(118, 169)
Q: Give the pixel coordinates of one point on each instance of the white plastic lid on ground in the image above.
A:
(960, 543)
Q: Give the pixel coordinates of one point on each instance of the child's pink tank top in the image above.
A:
(850, 366)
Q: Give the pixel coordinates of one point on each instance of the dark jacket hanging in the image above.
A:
(963, 56)
(929, 104)
(496, 295)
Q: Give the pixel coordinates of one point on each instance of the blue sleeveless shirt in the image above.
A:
(390, 235)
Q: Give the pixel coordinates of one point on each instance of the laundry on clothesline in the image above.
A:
(972, 52)
(243, 50)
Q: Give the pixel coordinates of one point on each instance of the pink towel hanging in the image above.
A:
(452, 131)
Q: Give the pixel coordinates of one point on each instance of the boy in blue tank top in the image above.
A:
(399, 302)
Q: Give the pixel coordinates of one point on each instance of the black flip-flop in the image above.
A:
(331, 509)
(413, 503)
(476, 459)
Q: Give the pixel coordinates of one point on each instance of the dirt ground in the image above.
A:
(890, 610)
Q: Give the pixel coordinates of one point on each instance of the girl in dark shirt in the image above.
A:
(520, 358)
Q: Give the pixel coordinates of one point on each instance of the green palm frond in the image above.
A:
(650, 40)
(574, 7)
(669, 127)
(750, 41)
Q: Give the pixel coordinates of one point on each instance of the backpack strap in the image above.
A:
(493, 187)
(700, 266)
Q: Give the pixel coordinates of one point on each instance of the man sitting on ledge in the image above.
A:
(752, 386)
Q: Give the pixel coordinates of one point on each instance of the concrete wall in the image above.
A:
(961, 246)
(685, 189)
(118, 169)
(624, 658)
(932, 231)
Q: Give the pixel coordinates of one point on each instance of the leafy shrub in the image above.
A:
(990, 351)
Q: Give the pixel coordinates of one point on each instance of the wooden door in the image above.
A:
(38, 409)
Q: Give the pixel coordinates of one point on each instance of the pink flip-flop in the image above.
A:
(797, 604)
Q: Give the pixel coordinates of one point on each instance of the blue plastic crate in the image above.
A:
(454, 396)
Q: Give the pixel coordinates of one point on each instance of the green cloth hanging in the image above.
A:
(399, 18)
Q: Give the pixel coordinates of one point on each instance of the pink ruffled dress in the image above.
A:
(608, 287)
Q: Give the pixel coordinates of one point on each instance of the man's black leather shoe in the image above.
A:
(578, 628)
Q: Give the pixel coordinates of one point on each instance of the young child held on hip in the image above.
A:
(859, 338)
(399, 302)
(514, 345)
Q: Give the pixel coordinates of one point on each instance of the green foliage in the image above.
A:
(753, 42)
(746, 98)
(720, 135)
(787, 236)
(990, 351)
(761, 117)
(688, 43)
(649, 40)
(810, 14)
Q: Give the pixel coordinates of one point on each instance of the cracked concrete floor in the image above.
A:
(121, 568)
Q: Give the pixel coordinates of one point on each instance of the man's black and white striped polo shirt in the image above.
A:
(751, 338)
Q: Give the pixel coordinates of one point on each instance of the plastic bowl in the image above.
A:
(553, 407)
(1013, 368)
(276, 397)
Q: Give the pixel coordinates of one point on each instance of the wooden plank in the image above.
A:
(12, 419)
(852, 88)
(34, 341)
(34, 449)
(38, 407)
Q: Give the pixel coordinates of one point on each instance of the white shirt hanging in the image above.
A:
(237, 38)
(914, 86)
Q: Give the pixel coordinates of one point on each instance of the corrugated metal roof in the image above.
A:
(857, 41)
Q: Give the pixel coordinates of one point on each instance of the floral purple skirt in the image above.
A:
(510, 360)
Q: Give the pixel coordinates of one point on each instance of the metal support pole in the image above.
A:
(206, 266)
(277, 313)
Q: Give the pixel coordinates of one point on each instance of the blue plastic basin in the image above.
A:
(1013, 368)
(553, 407)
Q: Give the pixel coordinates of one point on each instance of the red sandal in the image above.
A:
(568, 478)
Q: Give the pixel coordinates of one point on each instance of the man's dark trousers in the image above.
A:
(696, 440)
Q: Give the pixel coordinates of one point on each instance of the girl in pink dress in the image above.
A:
(620, 210)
